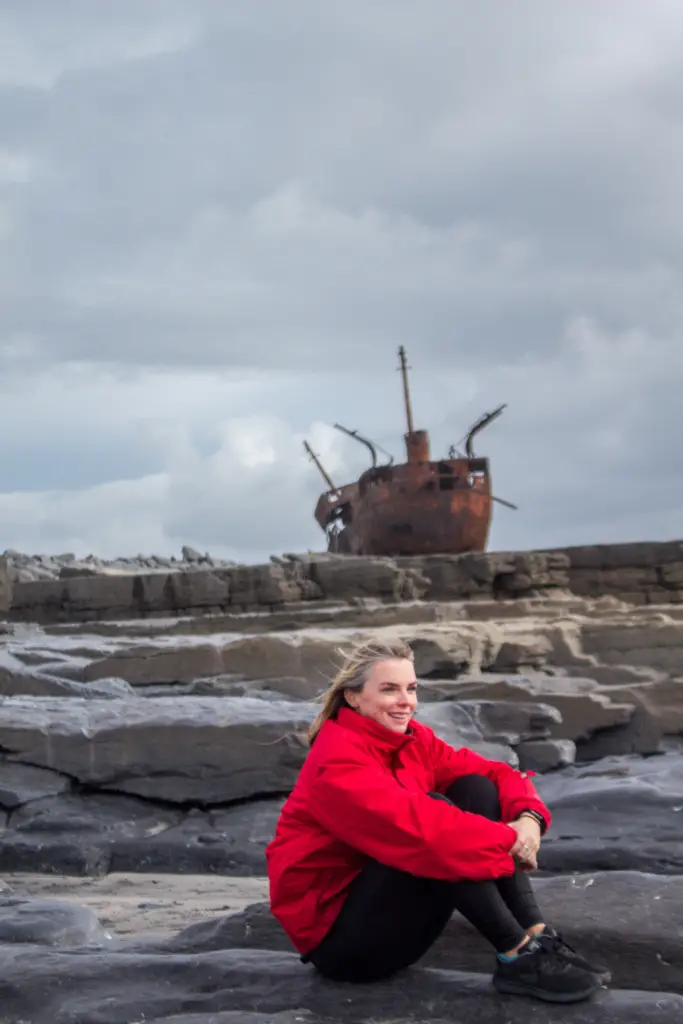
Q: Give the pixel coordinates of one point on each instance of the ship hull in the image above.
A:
(449, 524)
(415, 509)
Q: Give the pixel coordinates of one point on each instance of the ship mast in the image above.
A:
(314, 458)
(406, 390)
(417, 441)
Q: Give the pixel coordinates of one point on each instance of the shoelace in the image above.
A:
(562, 946)
(561, 963)
(567, 953)
(551, 955)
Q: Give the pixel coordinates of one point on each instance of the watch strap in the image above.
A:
(537, 817)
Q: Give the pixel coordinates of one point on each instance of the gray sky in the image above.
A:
(219, 220)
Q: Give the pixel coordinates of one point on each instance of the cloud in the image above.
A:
(217, 222)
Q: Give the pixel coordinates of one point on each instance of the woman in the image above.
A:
(388, 830)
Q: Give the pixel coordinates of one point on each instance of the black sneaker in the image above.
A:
(603, 975)
(539, 970)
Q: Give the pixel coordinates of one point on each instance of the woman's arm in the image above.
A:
(362, 805)
(515, 789)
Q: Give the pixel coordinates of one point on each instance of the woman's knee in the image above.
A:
(477, 794)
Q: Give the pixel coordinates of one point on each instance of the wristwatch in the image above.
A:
(537, 817)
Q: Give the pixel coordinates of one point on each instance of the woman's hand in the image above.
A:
(528, 842)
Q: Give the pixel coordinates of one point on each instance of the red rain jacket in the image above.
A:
(362, 794)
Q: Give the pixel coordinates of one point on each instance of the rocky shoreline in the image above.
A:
(24, 568)
(60, 964)
(640, 574)
(152, 756)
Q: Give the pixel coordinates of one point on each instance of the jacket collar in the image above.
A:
(378, 735)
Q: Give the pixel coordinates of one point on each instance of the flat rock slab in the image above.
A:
(621, 813)
(630, 922)
(583, 711)
(240, 1017)
(98, 833)
(203, 750)
(22, 783)
(49, 923)
(459, 726)
(47, 987)
(42, 684)
(312, 658)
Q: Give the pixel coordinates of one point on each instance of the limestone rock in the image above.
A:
(545, 755)
(632, 574)
(262, 657)
(191, 554)
(6, 587)
(199, 749)
(68, 572)
(315, 659)
(522, 653)
(266, 585)
(23, 783)
(621, 813)
(352, 576)
(180, 592)
(117, 987)
(584, 711)
(144, 665)
(512, 721)
(656, 645)
(42, 684)
(501, 574)
(642, 734)
(98, 833)
(49, 923)
(440, 659)
(627, 920)
(457, 726)
(204, 750)
(662, 698)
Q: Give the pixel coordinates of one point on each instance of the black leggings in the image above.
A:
(391, 918)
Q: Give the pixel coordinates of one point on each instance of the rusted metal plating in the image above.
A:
(418, 507)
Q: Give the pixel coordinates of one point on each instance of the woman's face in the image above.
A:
(389, 695)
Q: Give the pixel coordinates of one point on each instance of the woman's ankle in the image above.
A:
(510, 954)
(536, 929)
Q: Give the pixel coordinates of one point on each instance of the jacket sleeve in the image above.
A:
(364, 806)
(515, 789)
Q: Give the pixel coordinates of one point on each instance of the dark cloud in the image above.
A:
(218, 221)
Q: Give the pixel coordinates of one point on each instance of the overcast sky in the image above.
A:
(218, 221)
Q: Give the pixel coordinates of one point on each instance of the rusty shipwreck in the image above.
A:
(418, 507)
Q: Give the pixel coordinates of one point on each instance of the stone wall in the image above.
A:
(644, 573)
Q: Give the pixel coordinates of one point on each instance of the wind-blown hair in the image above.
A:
(357, 665)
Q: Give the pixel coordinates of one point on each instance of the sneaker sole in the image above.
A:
(511, 989)
(602, 977)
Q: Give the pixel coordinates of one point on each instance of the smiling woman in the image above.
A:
(378, 680)
(389, 695)
(389, 830)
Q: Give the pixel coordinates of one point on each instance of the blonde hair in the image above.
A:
(357, 665)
